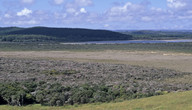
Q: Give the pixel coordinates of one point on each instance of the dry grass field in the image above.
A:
(159, 59)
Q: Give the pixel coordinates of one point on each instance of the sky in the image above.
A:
(98, 14)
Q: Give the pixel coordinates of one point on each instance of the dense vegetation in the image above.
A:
(57, 95)
(45, 34)
(171, 101)
(159, 35)
(58, 83)
(27, 38)
(39, 34)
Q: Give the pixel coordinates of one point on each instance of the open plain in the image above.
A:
(126, 72)
(159, 59)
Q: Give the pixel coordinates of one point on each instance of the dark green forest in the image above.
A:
(158, 34)
(50, 34)
(42, 34)
(25, 93)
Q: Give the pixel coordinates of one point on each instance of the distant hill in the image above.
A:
(60, 34)
(158, 34)
(6, 30)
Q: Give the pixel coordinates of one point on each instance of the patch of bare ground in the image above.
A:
(159, 59)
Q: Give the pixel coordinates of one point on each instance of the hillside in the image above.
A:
(158, 34)
(59, 34)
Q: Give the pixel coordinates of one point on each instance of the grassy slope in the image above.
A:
(172, 101)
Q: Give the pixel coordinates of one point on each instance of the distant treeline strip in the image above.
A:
(23, 46)
(27, 38)
(159, 35)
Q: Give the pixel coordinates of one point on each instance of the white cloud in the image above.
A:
(83, 2)
(77, 4)
(58, 2)
(189, 12)
(82, 10)
(7, 16)
(157, 9)
(185, 17)
(76, 7)
(146, 18)
(106, 25)
(24, 12)
(176, 3)
(127, 9)
(71, 10)
(120, 9)
(28, 22)
(127, 15)
(27, 1)
(21, 22)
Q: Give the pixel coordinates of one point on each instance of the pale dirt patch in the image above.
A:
(177, 61)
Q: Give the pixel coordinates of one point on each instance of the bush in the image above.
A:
(64, 72)
(57, 95)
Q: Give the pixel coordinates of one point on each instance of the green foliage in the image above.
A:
(158, 35)
(12, 93)
(171, 101)
(16, 93)
(26, 38)
(161, 92)
(173, 47)
(57, 95)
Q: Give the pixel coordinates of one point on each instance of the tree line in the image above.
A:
(24, 93)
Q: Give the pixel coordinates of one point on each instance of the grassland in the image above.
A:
(175, 56)
(160, 59)
(171, 47)
(171, 55)
(172, 101)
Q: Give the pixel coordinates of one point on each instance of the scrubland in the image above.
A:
(141, 70)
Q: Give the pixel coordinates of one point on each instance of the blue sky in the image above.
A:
(98, 14)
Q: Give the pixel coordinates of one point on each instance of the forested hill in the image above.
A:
(59, 34)
(158, 34)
